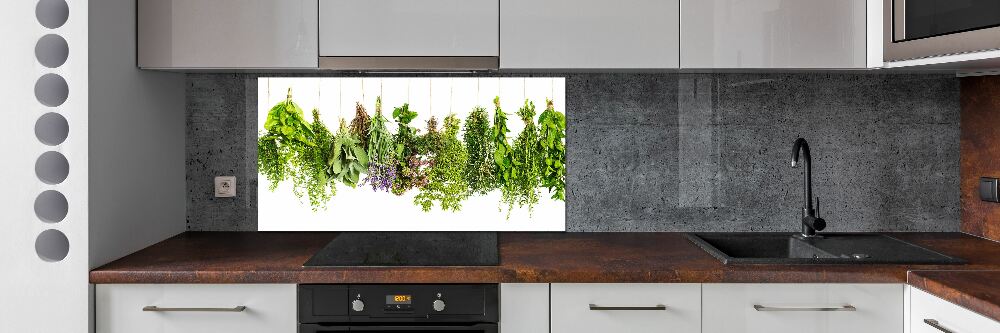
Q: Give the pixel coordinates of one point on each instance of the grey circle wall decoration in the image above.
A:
(52, 245)
(52, 13)
(51, 129)
(52, 167)
(51, 206)
(51, 90)
(51, 51)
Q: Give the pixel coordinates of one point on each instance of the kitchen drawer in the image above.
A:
(948, 316)
(778, 308)
(634, 308)
(269, 308)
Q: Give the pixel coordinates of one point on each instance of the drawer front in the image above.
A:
(946, 315)
(803, 308)
(634, 308)
(269, 308)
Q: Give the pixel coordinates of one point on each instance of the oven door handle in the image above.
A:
(485, 328)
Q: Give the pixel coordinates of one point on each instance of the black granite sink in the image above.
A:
(834, 248)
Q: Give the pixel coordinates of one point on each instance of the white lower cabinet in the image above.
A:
(803, 308)
(634, 308)
(524, 307)
(180, 308)
(930, 314)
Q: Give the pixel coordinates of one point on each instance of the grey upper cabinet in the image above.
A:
(220, 34)
(780, 34)
(589, 34)
(408, 34)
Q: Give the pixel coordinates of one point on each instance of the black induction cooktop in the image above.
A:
(408, 249)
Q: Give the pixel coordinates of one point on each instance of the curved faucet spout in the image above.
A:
(810, 222)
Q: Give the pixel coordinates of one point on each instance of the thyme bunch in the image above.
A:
(310, 168)
(480, 168)
(446, 184)
(523, 185)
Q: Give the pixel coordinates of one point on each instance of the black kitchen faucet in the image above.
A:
(810, 221)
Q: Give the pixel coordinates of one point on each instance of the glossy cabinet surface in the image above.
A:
(181, 34)
(269, 308)
(634, 308)
(802, 308)
(774, 34)
(406, 28)
(927, 309)
(570, 34)
(524, 307)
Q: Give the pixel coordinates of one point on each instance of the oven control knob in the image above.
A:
(438, 305)
(358, 305)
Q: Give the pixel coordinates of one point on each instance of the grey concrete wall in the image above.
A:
(684, 152)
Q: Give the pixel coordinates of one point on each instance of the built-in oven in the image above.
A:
(373, 308)
(916, 29)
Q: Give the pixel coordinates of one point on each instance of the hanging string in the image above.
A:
(451, 96)
(362, 90)
(477, 90)
(340, 100)
(524, 88)
(430, 95)
(407, 90)
(552, 92)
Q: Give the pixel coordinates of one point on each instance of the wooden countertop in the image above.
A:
(978, 291)
(277, 257)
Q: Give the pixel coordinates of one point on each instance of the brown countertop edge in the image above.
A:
(978, 291)
(277, 257)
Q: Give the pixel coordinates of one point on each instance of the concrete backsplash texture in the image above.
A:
(682, 152)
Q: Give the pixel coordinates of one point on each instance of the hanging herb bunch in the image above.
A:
(411, 169)
(310, 167)
(527, 160)
(503, 157)
(480, 168)
(381, 152)
(446, 185)
(361, 124)
(286, 134)
(551, 133)
(347, 159)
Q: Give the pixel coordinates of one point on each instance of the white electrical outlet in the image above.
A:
(225, 186)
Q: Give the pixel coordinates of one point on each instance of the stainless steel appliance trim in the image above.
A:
(759, 307)
(410, 63)
(595, 307)
(963, 42)
(154, 308)
(935, 324)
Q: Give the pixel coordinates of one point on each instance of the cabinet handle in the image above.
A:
(159, 309)
(596, 307)
(759, 307)
(935, 324)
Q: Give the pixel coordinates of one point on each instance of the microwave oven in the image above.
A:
(915, 29)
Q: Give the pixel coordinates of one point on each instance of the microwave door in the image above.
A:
(916, 29)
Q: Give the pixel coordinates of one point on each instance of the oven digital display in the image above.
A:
(398, 299)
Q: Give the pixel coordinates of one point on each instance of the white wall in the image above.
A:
(137, 184)
(40, 295)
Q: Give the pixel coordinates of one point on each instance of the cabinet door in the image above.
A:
(803, 308)
(633, 308)
(409, 28)
(930, 314)
(773, 34)
(227, 34)
(524, 307)
(570, 34)
(122, 308)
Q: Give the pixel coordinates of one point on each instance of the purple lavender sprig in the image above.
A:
(380, 176)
